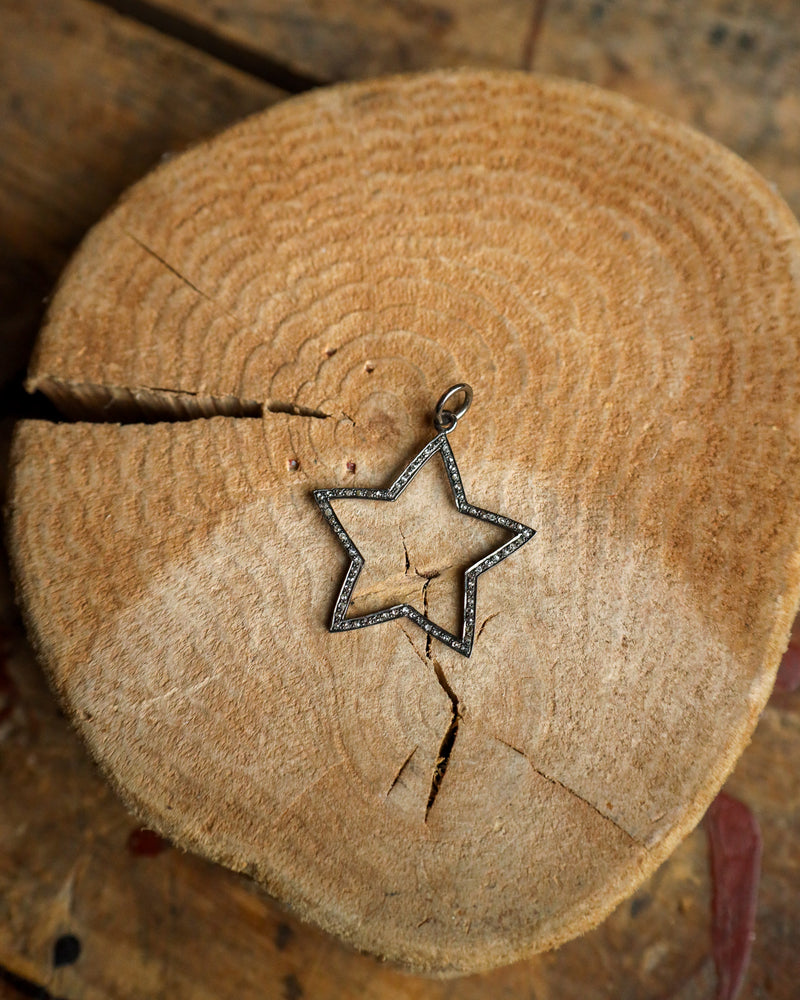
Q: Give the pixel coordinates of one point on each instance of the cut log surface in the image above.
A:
(624, 297)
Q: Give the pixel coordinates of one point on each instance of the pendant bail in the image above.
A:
(445, 420)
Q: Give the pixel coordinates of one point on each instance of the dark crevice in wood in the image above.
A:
(17, 404)
(446, 748)
(403, 766)
(428, 637)
(532, 34)
(408, 561)
(296, 411)
(60, 401)
(512, 747)
(448, 742)
(235, 54)
(440, 677)
(89, 402)
(25, 987)
(449, 739)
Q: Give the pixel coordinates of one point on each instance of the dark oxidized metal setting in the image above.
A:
(445, 421)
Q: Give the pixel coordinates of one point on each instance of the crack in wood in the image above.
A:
(163, 262)
(99, 403)
(446, 748)
(403, 766)
(167, 266)
(94, 402)
(428, 637)
(571, 791)
(449, 738)
(295, 410)
(485, 623)
(448, 742)
(58, 401)
(25, 987)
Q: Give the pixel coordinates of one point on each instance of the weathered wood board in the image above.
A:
(730, 69)
(352, 39)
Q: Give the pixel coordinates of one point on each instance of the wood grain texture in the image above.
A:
(624, 296)
(77, 129)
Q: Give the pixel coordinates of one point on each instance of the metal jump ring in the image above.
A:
(445, 420)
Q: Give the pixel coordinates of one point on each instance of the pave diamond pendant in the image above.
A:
(445, 421)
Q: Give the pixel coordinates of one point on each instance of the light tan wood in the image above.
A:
(624, 296)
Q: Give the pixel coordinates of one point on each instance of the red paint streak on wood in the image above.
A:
(735, 842)
(145, 843)
(788, 678)
(8, 689)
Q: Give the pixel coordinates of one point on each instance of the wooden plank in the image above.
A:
(57, 800)
(352, 39)
(89, 101)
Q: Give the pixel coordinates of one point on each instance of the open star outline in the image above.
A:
(520, 534)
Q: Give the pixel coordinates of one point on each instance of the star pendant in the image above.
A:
(520, 535)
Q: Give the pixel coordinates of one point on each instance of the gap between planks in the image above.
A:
(234, 54)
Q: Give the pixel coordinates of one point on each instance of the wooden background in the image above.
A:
(93, 94)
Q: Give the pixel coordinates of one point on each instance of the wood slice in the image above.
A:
(624, 297)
